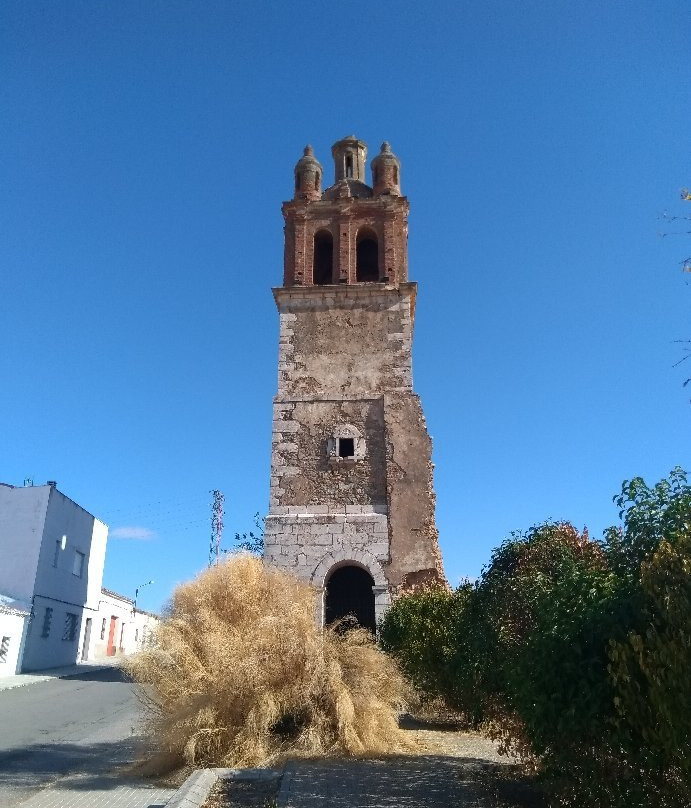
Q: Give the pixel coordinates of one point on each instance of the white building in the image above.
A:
(14, 621)
(52, 553)
(122, 629)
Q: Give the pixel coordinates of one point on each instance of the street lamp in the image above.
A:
(136, 593)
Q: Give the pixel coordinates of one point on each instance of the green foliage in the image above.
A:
(649, 515)
(650, 671)
(555, 618)
(251, 541)
(417, 630)
(576, 652)
(543, 613)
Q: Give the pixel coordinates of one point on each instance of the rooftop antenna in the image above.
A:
(216, 526)
(28, 482)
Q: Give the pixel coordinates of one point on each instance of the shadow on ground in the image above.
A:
(107, 764)
(110, 674)
(408, 721)
(426, 781)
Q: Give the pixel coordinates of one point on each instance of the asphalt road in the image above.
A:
(85, 724)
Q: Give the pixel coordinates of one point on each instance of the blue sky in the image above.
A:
(145, 150)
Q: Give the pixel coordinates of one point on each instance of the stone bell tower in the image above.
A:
(352, 502)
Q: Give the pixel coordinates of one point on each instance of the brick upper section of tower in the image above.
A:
(351, 232)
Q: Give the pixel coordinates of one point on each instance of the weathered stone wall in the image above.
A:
(345, 358)
(303, 473)
(344, 373)
(302, 540)
(415, 555)
(311, 541)
(344, 342)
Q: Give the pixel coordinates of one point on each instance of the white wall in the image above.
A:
(54, 649)
(121, 609)
(69, 574)
(64, 518)
(97, 559)
(144, 630)
(22, 517)
(12, 625)
(132, 629)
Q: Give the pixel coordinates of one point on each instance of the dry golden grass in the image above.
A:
(242, 676)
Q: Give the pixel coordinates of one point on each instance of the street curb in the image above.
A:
(195, 790)
(34, 678)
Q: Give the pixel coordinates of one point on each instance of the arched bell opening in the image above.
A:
(322, 268)
(367, 256)
(349, 594)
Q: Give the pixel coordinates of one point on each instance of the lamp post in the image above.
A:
(136, 593)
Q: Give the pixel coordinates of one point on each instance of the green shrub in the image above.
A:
(650, 671)
(549, 597)
(418, 631)
(650, 516)
(575, 652)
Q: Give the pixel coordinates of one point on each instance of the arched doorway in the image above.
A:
(349, 592)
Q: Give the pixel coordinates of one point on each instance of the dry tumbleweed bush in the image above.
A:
(241, 676)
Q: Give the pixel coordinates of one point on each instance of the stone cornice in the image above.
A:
(355, 206)
(334, 294)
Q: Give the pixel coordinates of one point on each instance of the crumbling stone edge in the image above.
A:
(195, 790)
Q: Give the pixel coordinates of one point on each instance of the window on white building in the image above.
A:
(60, 544)
(70, 631)
(4, 648)
(103, 629)
(78, 564)
(47, 619)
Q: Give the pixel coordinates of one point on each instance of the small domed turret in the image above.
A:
(350, 155)
(386, 172)
(308, 176)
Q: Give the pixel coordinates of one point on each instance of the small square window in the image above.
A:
(346, 447)
(4, 648)
(70, 631)
(47, 619)
(78, 564)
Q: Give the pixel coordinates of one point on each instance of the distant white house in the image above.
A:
(122, 628)
(53, 608)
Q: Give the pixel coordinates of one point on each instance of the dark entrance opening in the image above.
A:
(367, 257)
(349, 592)
(346, 447)
(322, 269)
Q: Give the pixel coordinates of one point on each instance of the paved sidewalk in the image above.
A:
(109, 783)
(23, 679)
(427, 781)
(70, 739)
(84, 791)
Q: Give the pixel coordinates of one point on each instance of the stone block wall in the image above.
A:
(311, 541)
(347, 342)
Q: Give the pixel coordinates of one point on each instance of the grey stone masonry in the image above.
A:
(375, 332)
(351, 471)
